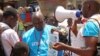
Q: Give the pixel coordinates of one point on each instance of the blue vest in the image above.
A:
(37, 41)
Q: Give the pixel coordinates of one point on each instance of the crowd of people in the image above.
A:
(26, 32)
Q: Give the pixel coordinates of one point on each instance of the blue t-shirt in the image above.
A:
(32, 38)
(23, 16)
(91, 29)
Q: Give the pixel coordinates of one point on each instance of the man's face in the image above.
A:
(38, 23)
(11, 21)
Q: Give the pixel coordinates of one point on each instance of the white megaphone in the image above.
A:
(61, 14)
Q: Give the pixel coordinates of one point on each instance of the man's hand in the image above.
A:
(59, 46)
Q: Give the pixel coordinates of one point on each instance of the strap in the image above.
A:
(99, 30)
(97, 22)
(93, 19)
(99, 25)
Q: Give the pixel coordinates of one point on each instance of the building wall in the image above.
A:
(21, 2)
(10, 0)
(76, 2)
(98, 1)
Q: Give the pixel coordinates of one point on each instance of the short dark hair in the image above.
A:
(20, 48)
(9, 13)
(93, 3)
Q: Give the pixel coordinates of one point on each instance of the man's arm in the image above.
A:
(74, 28)
(87, 51)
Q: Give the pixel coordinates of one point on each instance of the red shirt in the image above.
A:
(28, 17)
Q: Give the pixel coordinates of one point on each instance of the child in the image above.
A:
(20, 49)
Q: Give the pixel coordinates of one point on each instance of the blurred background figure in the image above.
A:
(51, 20)
(21, 21)
(22, 13)
(28, 19)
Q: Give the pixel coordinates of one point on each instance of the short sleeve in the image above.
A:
(91, 29)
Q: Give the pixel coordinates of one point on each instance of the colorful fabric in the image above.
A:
(20, 26)
(28, 17)
(23, 16)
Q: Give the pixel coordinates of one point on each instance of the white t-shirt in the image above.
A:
(77, 41)
(9, 38)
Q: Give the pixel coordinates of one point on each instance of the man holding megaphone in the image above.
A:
(90, 31)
